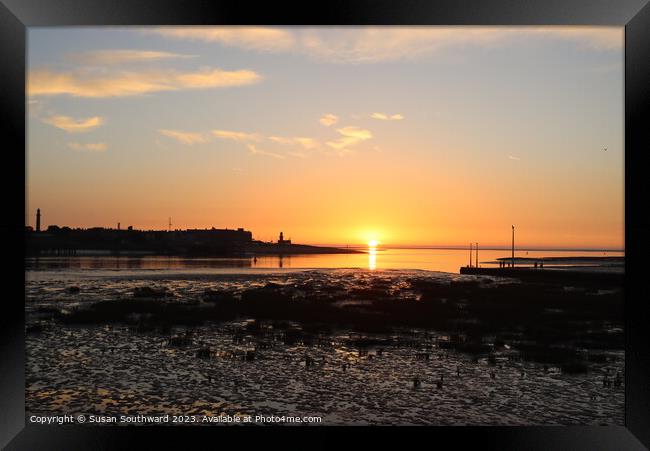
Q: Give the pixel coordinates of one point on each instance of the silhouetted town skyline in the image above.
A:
(64, 240)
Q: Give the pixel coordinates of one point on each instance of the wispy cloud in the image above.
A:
(110, 57)
(254, 150)
(386, 117)
(236, 136)
(248, 138)
(71, 125)
(292, 146)
(328, 120)
(88, 147)
(355, 132)
(388, 43)
(511, 157)
(184, 137)
(594, 38)
(349, 137)
(382, 44)
(93, 84)
(251, 38)
(307, 143)
(35, 107)
(303, 143)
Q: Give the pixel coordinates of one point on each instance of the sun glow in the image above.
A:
(373, 243)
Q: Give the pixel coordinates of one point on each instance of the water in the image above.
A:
(444, 260)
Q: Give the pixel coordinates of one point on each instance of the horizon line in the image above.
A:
(495, 247)
(525, 247)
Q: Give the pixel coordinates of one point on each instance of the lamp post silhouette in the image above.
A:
(513, 246)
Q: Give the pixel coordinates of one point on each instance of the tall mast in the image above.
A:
(513, 246)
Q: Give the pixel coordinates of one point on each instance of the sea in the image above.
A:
(388, 258)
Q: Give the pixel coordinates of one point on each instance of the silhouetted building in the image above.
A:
(281, 240)
(58, 240)
(220, 235)
(38, 219)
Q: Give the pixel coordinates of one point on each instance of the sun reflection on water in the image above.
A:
(372, 258)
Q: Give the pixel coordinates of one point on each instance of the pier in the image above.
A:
(551, 275)
(583, 270)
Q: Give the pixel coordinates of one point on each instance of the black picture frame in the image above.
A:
(17, 15)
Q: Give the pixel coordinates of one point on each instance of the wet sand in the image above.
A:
(135, 366)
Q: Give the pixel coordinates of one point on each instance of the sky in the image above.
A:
(404, 135)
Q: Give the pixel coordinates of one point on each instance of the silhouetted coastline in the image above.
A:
(65, 241)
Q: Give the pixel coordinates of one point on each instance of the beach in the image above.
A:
(349, 345)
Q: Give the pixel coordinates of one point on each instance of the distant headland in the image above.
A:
(211, 242)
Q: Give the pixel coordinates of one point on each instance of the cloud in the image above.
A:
(184, 137)
(109, 57)
(342, 144)
(252, 38)
(254, 150)
(307, 143)
(349, 137)
(88, 147)
(92, 84)
(37, 108)
(594, 38)
(74, 126)
(385, 44)
(385, 117)
(246, 138)
(367, 45)
(328, 120)
(355, 132)
(188, 138)
(303, 146)
(510, 157)
(376, 44)
(236, 136)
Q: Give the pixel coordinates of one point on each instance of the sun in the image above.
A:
(373, 243)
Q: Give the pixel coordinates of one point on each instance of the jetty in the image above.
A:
(569, 275)
(566, 270)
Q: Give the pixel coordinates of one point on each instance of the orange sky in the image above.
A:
(423, 137)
